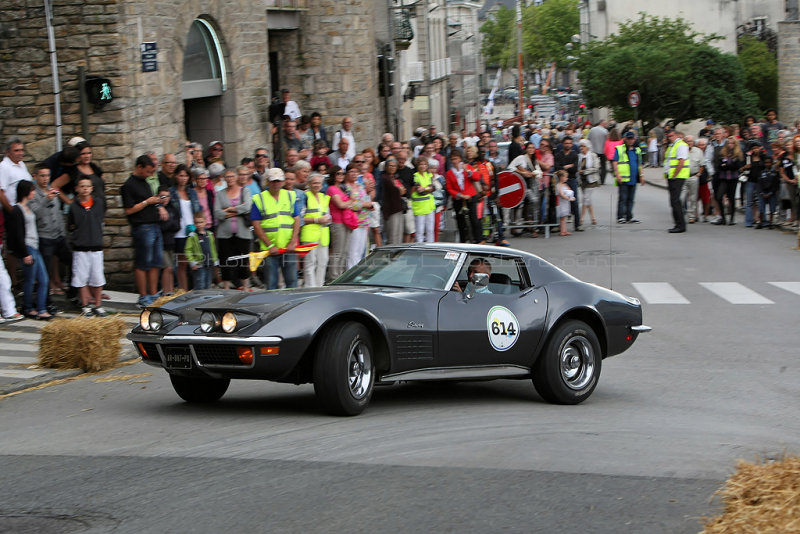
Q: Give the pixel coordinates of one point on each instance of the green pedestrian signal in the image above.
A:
(99, 91)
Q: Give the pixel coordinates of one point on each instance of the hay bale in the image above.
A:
(760, 498)
(160, 301)
(88, 343)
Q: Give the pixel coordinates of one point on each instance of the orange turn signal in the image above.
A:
(142, 351)
(270, 351)
(245, 355)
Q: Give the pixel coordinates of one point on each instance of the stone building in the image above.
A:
(200, 70)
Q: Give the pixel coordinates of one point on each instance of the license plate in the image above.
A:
(178, 357)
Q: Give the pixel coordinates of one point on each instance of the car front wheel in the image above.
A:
(568, 370)
(344, 374)
(193, 389)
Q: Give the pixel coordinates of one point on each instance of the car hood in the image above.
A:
(192, 304)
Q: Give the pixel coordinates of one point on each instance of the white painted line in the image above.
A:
(14, 373)
(18, 347)
(735, 293)
(7, 335)
(793, 287)
(19, 359)
(659, 293)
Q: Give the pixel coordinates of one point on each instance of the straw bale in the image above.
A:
(160, 301)
(760, 498)
(88, 343)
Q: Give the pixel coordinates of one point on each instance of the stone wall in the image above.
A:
(330, 65)
(788, 71)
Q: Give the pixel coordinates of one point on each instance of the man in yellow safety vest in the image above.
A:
(276, 223)
(676, 171)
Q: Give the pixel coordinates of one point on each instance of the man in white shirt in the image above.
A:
(676, 171)
(12, 171)
(346, 132)
(597, 136)
(339, 157)
(291, 109)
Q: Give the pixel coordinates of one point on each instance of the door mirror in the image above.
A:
(479, 281)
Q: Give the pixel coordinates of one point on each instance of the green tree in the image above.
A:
(760, 70)
(675, 69)
(499, 34)
(546, 30)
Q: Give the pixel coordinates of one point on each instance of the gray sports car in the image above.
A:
(438, 311)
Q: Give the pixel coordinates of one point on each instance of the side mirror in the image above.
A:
(479, 281)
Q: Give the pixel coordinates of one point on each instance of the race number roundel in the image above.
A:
(510, 189)
(502, 327)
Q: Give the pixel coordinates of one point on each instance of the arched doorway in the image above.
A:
(204, 83)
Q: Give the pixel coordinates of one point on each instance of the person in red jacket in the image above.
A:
(460, 185)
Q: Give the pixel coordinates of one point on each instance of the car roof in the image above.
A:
(462, 247)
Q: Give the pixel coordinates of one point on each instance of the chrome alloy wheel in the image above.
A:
(577, 362)
(359, 369)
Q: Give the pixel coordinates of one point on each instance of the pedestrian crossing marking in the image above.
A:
(16, 373)
(17, 347)
(7, 335)
(28, 360)
(793, 287)
(659, 293)
(735, 293)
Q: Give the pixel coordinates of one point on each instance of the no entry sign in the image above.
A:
(634, 99)
(511, 189)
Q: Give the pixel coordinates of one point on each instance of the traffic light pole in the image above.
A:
(83, 107)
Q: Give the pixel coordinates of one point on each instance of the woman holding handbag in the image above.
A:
(588, 169)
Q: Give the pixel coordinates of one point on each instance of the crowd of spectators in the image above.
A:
(316, 209)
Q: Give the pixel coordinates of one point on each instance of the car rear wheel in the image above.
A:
(192, 389)
(568, 370)
(344, 374)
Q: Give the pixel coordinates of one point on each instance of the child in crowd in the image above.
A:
(201, 252)
(169, 228)
(652, 148)
(565, 196)
(769, 184)
(85, 223)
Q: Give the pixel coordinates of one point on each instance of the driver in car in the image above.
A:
(478, 265)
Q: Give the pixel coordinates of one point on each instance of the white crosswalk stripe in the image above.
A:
(27, 360)
(793, 287)
(735, 293)
(659, 293)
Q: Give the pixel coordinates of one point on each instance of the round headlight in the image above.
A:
(208, 322)
(144, 320)
(228, 322)
(156, 320)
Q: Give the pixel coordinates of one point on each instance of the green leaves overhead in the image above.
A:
(675, 69)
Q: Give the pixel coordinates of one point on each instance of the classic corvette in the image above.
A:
(437, 311)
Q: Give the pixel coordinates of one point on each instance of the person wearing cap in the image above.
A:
(627, 166)
(707, 130)
(276, 224)
(676, 171)
(215, 153)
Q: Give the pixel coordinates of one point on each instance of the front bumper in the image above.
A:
(231, 357)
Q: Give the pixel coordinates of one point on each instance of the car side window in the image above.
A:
(507, 275)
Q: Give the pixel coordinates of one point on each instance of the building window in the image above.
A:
(203, 62)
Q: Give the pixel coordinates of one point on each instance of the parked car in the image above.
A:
(417, 312)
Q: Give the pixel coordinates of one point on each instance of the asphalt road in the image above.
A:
(714, 382)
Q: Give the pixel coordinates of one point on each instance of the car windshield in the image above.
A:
(426, 269)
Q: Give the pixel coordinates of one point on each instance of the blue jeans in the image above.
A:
(285, 263)
(201, 277)
(35, 272)
(749, 203)
(627, 192)
(148, 244)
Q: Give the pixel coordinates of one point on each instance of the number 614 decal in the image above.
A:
(502, 327)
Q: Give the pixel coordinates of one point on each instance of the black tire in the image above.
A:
(344, 373)
(569, 368)
(199, 390)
